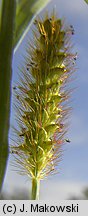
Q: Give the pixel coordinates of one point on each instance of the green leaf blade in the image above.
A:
(6, 50)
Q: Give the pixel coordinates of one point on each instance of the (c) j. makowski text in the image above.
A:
(29, 207)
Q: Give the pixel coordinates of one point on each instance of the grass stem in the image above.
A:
(35, 189)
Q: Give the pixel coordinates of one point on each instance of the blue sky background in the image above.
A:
(73, 168)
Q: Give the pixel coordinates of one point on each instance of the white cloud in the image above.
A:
(56, 190)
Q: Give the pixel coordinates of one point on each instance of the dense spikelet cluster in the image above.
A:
(41, 98)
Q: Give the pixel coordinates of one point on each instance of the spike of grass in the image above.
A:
(41, 98)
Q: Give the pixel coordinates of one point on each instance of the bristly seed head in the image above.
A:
(41, 98)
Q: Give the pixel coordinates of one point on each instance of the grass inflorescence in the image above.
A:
(41, 98)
